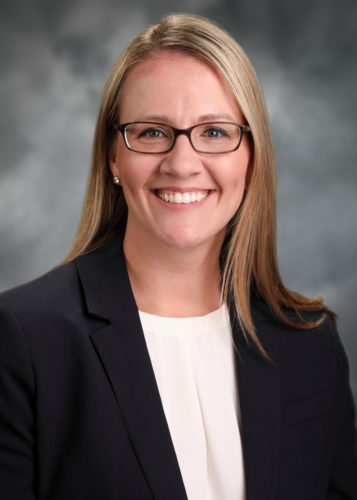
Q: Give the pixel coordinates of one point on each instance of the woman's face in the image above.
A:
(179, 90)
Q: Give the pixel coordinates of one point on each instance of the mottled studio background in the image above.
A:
(55, 59)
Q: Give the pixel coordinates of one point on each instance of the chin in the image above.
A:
(187, 240)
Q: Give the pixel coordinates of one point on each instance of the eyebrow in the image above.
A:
(216, 116)
(207, 117)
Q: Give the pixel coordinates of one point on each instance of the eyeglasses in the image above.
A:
(211, 137)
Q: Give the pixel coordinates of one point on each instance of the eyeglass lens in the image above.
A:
(207, 137)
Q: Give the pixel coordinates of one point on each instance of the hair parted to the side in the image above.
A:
(249, 253)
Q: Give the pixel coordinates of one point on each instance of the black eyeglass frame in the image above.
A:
(121, 127)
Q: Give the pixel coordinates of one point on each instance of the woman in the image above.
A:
(121, 369)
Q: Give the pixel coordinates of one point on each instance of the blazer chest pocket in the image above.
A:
(307, 409)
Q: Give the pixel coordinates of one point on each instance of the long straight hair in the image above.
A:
(248, 256)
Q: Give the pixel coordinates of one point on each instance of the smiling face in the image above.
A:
(181, 198)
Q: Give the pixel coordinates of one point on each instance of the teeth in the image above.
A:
(186, 198)
(179, 198)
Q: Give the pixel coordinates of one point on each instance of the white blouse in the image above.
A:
(193, 361)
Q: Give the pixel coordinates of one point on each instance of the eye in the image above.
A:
(152, 133)
(215, 132)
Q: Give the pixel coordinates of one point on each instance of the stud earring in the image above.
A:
(116, 180)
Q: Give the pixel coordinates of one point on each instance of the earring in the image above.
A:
(116, 180)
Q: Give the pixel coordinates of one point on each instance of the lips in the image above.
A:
(181, 197)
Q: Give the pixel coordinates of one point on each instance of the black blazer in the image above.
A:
(81, 416)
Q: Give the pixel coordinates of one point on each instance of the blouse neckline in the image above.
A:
(209, 323)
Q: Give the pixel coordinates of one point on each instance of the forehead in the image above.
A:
(175, 82)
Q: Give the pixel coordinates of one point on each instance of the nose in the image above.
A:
(182, 160)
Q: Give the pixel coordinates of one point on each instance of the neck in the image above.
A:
(174, 282)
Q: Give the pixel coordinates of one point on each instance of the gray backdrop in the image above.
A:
(55, 59)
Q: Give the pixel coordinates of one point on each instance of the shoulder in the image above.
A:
(45, 314)
(263, 314)
(58, 304)
(46, 293)
(61, 288)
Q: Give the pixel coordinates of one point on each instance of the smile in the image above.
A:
(182, 197)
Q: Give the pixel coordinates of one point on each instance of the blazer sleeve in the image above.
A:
(16, 411)
(343, 477)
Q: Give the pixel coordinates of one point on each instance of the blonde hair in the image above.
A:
(248, 256)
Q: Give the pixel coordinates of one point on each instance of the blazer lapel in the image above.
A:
(259, 394)
(122, 349)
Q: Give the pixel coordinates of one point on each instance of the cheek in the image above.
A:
(233, 184)
(234, 175)
(136, 173)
